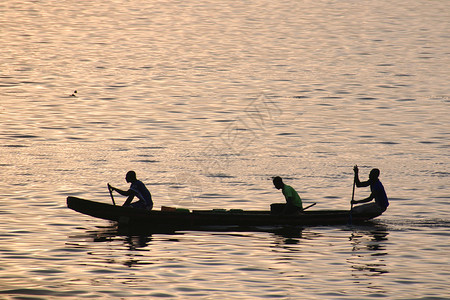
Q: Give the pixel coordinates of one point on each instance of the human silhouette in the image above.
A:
(138, 189)
(377, 193)
(293, 200)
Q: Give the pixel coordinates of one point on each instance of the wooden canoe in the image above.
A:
(196, 218)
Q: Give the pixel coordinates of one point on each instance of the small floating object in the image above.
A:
(73, 95)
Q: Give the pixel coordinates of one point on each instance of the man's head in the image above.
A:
(278, 182)
(374, 174)
(131, 176)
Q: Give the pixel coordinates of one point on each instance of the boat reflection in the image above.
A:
(365, 249)
(369, 250)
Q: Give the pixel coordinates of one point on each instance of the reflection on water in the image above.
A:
(379, 234)
(374, 240)
(324, 260)
(367, 247)
(289, 235)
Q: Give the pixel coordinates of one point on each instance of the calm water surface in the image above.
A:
(206, 101)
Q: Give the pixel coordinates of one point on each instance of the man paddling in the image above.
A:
(293, 200)
(138, 189)
(377, 193)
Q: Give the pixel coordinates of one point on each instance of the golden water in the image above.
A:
(206, 101)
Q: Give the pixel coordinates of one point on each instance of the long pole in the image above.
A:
(310, 206)
(351, 203)
(111, 194)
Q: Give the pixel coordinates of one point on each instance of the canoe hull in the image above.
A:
(186, 219)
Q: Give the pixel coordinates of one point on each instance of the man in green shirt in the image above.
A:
(293, 200)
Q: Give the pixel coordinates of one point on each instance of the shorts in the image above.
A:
(369, 208)
(141, 205)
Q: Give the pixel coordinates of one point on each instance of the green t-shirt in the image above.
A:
(289, 192)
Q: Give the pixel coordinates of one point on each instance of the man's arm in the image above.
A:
(129, 199)
(289, 202)
(368, 199)
(123, 193)
(357, 182)
(130, 193)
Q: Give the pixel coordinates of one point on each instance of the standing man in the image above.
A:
(293, 200)
(377, 192)
(138, 189)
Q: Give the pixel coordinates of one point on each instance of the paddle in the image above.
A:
(110, 193)
(310, 206)
(351, 203)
